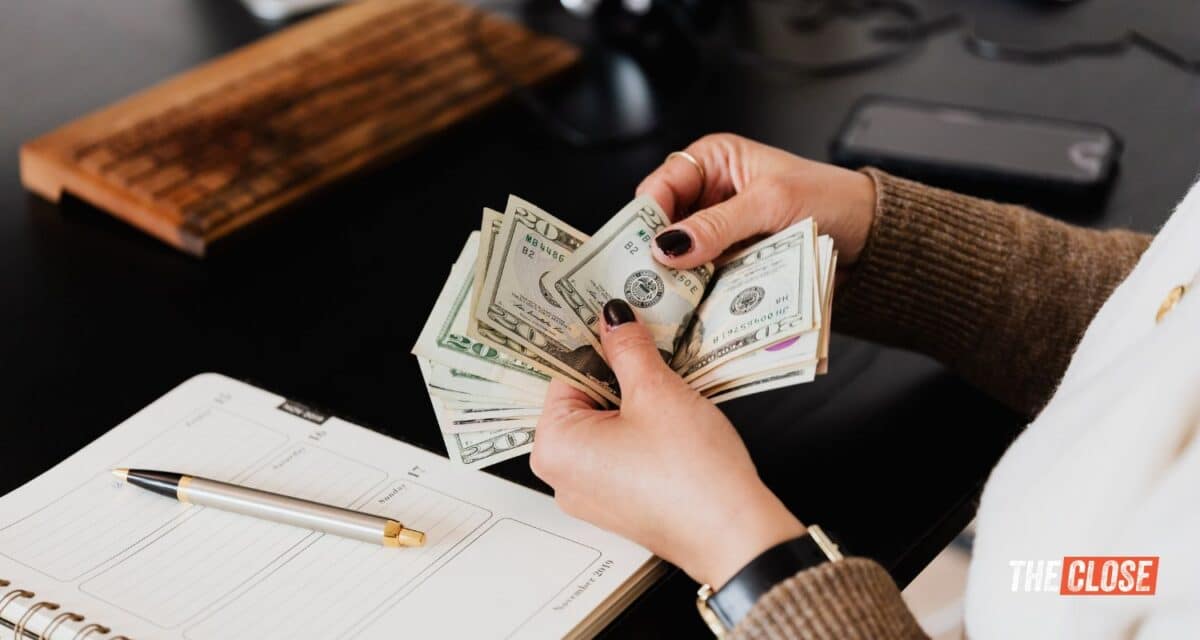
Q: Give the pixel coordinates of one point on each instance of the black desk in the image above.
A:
(98, 319)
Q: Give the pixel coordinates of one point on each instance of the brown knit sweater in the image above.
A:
(998, 293)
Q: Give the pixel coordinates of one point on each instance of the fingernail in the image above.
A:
(674, 242)
(617, 312)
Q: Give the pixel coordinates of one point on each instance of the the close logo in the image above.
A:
(1088, 575)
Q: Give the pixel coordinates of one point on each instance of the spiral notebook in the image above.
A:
(83, 556)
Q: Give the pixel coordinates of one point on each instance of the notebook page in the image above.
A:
(500, 561)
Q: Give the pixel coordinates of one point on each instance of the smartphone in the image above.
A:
(1006, 156)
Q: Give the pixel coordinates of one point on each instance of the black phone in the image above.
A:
(1006, 156)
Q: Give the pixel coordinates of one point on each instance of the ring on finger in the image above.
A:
(695, 163)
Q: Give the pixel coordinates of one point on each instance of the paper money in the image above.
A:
(489, 228)
(444, 338)
(795, 352)
(492, 223)
(474, 424)
(617, 263)
(523, 300)
(792, 352)
(515, 303)
(482, 448)
(759, 297)
(476, 387)
(761, 383)
(466, 403)
(823, 350)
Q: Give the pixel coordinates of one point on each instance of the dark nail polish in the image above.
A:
(617, 312)
(674, 242)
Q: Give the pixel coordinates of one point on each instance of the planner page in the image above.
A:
(500, 560)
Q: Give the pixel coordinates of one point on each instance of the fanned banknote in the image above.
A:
(513, 300)
(522, 305)
(478, 449)
(493, 222)
(761, 295)
(444, 339)
(617, 263)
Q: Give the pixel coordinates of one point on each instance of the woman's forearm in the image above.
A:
(999, 293)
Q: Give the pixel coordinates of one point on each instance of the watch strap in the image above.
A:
(735, 599)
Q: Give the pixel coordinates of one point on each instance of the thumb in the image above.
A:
(630, 350)
(706, 234)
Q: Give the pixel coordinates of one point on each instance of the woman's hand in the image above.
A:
(667, 470)
(752, 189)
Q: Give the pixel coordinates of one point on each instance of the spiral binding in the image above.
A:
(57, 622)
(89, 630)
(20, 627)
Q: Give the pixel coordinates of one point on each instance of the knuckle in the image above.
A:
(719, 139)
(655, 391)
(623, 345)
(721, 148)
(649, 182)
(655, 381)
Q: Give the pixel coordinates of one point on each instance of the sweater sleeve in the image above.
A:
(998, 293)
(851, 599)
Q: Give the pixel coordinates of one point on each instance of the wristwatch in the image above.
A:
(723, 609)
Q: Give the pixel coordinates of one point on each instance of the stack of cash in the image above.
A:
(523, 303)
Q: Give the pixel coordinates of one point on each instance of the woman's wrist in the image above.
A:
(763, 523)
(856, 215)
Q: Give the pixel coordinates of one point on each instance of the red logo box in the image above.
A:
(1109, 576)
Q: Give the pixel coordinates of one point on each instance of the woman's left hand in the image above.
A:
(667, 470)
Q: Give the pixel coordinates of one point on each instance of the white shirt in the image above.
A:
(1111, 466)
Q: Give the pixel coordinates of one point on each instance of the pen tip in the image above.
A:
(123, 474)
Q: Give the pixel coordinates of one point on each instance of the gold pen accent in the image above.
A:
(396, 535)
(181, 489)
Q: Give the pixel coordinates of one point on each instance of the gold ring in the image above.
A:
(695, 163)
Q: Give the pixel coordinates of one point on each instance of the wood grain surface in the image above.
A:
(203, 154)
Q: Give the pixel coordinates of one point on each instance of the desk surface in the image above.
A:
(889, 450)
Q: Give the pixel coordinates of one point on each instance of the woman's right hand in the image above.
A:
(751, 189)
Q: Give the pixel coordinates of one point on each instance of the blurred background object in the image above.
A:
(283, 9)
(1050, 162)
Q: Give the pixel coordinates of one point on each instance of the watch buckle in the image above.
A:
(710, 618)
(827, 545)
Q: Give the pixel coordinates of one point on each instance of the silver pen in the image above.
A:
(274, 507)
